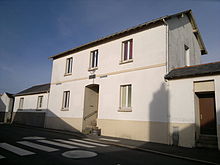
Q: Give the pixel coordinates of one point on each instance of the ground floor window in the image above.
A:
(125, 96)
(21, 103)
(39, 102)
(66, 97)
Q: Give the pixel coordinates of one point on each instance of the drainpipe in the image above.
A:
(167, 46)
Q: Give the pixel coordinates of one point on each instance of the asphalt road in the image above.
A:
(37, 147)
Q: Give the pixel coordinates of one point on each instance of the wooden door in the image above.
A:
(207, 114)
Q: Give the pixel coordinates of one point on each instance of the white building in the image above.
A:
(6, 107)
(31, 105)
(116, 84)
(194, 94)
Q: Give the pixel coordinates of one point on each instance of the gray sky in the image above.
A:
(31, 30)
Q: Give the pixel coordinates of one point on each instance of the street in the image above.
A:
(19, 145)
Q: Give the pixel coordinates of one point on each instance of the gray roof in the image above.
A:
(35, 90)
(137, 29)
(194, 71)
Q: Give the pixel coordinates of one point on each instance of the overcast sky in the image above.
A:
(33, 30)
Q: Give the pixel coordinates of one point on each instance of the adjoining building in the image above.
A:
(30, 105)
(194, 99)
(6, 107)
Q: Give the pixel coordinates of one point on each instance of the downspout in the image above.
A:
(167, 83)
(167, 46)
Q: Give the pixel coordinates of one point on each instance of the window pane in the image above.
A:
(131, 45)
(125, 50)
(123, 96)
(129, 96)
(96, 53)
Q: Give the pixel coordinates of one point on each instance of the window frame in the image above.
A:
(128, 56)
(66, 100)
(69, 66)
(21, 103)
(128, 106)
(187, 55)
(40, 98)
(94, 60)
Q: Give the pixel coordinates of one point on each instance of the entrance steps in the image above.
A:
(207, 141)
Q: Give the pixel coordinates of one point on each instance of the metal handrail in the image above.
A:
(89, 115)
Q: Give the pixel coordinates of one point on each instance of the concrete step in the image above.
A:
(207, 141)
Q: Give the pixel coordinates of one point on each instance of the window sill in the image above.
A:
(65, 109)
(38, 109)
(67, 74)
(20, 109)
(125, 62)
(125, 110)
(92, 69)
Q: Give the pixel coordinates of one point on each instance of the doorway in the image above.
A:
(90, 112)
(207, 112)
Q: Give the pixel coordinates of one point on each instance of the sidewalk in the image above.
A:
(202, 155)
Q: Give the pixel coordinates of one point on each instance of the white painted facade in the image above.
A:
(183, 104)
(6, 105)
(30, 103)
(156, 50)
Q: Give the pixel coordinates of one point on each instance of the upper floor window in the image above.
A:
(125, 97)
(187, 55)
(21, 103)
(66, 97)
(127, 50)
(69, 65)
(93, 59)
(39, 102)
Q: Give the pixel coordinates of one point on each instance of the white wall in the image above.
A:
(5, 104)
(182, 101)
(149, 49)
(30, 102)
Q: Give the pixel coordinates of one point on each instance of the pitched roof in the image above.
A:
(194, 71)
(35, 90)
(135, 29)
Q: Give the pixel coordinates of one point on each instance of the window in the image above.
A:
(127, 47)
(69, 65)
(21, 103)
(66, 97)
(125, 98)
(39, 102)
(187, 55)
(93, 59)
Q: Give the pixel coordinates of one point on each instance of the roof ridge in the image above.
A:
(197, 65)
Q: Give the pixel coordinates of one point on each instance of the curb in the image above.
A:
(120, 145)
(156, 152)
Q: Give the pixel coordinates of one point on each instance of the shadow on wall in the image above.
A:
(37, 118)
(162, 130)
(159, 115)
(2, 111)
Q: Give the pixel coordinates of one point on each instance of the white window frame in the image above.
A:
(127, 107)
(127, 58)
(94, 59)
(187, 55)
(66, 100)
(40, 102)
(21, 103)
(69, 66)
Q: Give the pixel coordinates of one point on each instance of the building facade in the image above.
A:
(31, 105)
(116, 84)
(6, 107)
